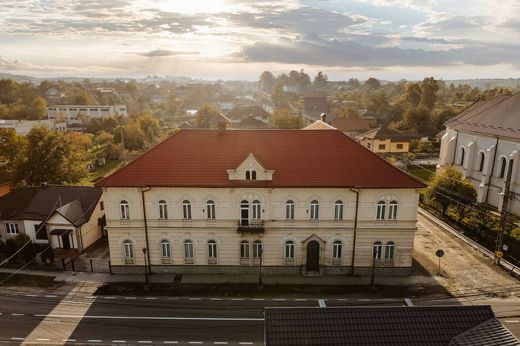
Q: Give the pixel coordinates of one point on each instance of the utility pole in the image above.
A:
(503, 215)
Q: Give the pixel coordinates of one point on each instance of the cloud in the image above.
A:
(164, 52)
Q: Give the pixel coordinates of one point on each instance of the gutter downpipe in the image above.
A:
(355, 228)
(143, 190)
(492, 171)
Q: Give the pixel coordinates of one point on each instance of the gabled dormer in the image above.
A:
(250, 169)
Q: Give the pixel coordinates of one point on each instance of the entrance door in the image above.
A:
(65, 241)
(313, 256)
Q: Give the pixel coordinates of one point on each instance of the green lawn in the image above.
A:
(109, 167)
(420, 173)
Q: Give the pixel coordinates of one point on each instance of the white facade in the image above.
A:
(22, 127)
(73, 114)
(170, 228)
(485, 161)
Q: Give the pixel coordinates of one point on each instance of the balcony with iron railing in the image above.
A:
(251, 225)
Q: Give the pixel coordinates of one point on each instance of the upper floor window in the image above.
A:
(210, 207)
(244, 249)
(377, 248)
(399, 146)
(314, 210)
(256, 209)
(186, 210)
(390, 250)
(253, 175)
(165, 248)
(382, 146)
(129, 249)
(248, 175)
(337, 248)
(188, 249)
(212, 249)
(125, 210)
(338, 210)
(502, 167)
(257, 249)
(392, 210)
(289, 249)
(163, 209)
(380, 212)
(289, 210)
(462, 154)
(481, 160)
(11, 228)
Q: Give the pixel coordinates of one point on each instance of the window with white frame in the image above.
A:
(129, 249)
(377, 248)
(212, 249)
(338, 210)
(392, 210)
(163, 210)
(390, 250)
(165, 248)
(186, 210)
(11, 228)
(380, 212)
(244, 249)
(289, 210)
(257, 249)
(337, 248)
(125, 210)
(210, 208)
(188, 249)
(289, 249)
(256, 209)
(314, 210)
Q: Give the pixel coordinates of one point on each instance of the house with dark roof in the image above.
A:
(69, 217)
(385, 140)
(399, 326)
(483, 142)
(240, 113)
(299, 202)
(352, 127)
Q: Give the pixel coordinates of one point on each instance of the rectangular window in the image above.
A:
(256, 211)
(376, 253)
(289, 211)
(125, 212)
(338, 212)
(244, 250)
(165, 247)
(380, 215)
(186, 211)
(399, 146)
(382, 146)
(336, 250)
(389, 251)
(314, 212)
(212, 250)
(289, 250)
(11, 228)
(211, 211)
(188, 249)
(163, 211)
(129, 250)
(257, 249)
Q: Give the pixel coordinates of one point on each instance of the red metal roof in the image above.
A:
(313, 158)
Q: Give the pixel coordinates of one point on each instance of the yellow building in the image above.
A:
(385, 140)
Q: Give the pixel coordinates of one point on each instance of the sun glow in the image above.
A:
(190, 6)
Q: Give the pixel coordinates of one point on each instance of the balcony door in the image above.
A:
(244, 213)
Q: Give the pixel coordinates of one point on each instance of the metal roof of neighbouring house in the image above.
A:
(352, 125)
(313, 158)
(385, 133)
(38, 202)
(499, 116)
(250, 122)
(419, 325)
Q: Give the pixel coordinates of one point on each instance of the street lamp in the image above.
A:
(145, 267)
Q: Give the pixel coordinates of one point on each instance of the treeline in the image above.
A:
(21, 101)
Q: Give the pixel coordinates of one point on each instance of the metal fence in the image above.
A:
(87, 265)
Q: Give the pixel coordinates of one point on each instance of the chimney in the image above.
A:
(323, 117)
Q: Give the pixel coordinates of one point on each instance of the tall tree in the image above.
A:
(283, 119)
(267, 81)
(205, 115)
(429, 88)
(414, 94)
(320, 81)
(372, 83)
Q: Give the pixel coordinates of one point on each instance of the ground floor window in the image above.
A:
(12, 228)
(337, 248)
(257, 249)
(188, 249)
(129, 251)
(244, 249)
(212, 249)
(289, 249)
(390, 250)
(376, 250)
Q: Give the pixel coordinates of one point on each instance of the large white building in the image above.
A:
(291, 201)
(483, 142)
(22, 127)
(74, 114)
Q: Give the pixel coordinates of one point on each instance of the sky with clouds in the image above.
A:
(238, 39)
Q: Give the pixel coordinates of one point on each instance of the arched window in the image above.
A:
(210, 207)
(257, 249)
(390, 250)
(462, 154)
(481, 160)
(376, 250)
(248, 175)
(129, 249)
(502, 167)
(337, 248)
(253, 175)
(165, 248)
(392, 210)
(244, 249)
(212, 249)
(289, 249)
(338, 210)
(125, 210)
(186, 209)
(163, 210)
(289, 210)
(256, 209)
(314, 210)
(188, 249)
(380, 213)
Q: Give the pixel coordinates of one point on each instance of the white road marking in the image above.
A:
(220, 342)
(31, 295)
(215, 299)
(300, 300)
(364, 300)
(109, 297)
(195, 342)
(512, 321)
(17, 314)
(280, 299)
(69, 340)
(237, 299)
(93, 340)
(43, 339)
(14, 338)
(150, 298)
(119, 341)
(170, 342)
(195, 298)
(151, 317)
(144, 342)
(50, 296)
(342, 299)
(245, 343)
(258, 299)
(130, 297)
